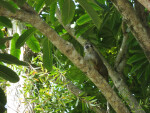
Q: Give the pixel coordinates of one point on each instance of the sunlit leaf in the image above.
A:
(68, 11)
(83, 19)
(15, 52)
(92, 13)
(52, 11)
(25, 36)
(47, 54)
(39, 5)
(33, 44)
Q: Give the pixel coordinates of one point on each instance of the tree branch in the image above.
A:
(67, 49)
(145, 3)
(116, 77)
(70, 30)
(77, 92)
(140, 32)
(121, 57)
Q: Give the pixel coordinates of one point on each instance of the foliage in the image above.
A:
(96, 21)
(47, 92)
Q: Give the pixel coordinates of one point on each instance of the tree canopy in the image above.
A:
(53, 37)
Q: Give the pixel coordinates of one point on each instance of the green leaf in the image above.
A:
(8, 74)
(3, 40)
(83, 29)
(135, 58)
(92, 13)
(48, 2)
(4, 21)
(83, 19)
(137, 66)
(7, 58)
(40, 5)
(52, 11)
(47, 54)
(102, 5)
(8, 6)
(25, 36)
(13, 51)
(2, 97)
(147, 72)
(68, 11)
(33, 44)
(61, 2)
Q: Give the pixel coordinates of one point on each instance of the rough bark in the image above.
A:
(145, 3)
(68, 49)
(121, 56)
(135, 24)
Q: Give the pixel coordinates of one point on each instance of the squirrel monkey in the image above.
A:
(92, 56)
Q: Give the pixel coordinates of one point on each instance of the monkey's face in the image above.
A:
(88, 48)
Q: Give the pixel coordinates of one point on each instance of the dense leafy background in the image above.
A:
(97, 21)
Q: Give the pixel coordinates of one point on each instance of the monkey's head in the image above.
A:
(88, 48)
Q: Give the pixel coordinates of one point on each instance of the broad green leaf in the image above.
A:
(92, 13)
(101, 5)
(5, 22)
(7, 58)
(135, 58)
(52, 11)
(33, 44)
(40, 4)
(95, 6)
(75, 74)
(47, 54)
(48, 2)
(68, 11)
(8, 6)
(83, 19)
(13, 51)
(8, 74)
(61, 2)
(25, 36)
(83, 29)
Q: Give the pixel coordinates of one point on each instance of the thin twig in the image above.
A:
(121, 57)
